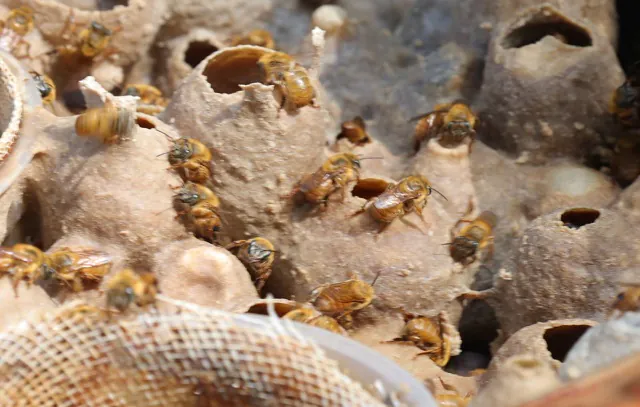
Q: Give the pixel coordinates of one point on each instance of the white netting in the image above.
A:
(183, 357)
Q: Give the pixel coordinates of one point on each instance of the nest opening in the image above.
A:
(29, 228)
(628, 33)
(368, 188)
(561, 339)
(547, 22)
(74, 101)
(197, 51)
(145, 123)
(234, 67)
(577, 217)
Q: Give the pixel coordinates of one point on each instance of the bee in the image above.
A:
(257, 254)
(624, 104)
(475, 236)
(205, 219)
(261, 38)
(74, 265)
(335, 174)
(627, 300)
(407, 195)
(19, 23)
(93, 40)
(428, 334)
(312, 317)
(355, 130)
(191, 194)
(451, 397)
(151, 100)
(193, 158)
(289, 78)
(109, 123)
(339, 300)
(45, 86)
(22, 261)
(451, 123)
(128, 287)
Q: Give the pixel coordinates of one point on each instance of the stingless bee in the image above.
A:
(355, 130)
(627, 300)
(290, 79)
(110, 124)
(45, 86)
(204, 218)
(339, 300)
(450, 123)
(75, 265)
(407, 195)
(151, 100)
(428, 334)
(190, 194)
(472, 238)
(335, 174)
(312, 317)
(624, 104)
(128, 287)
(450, 397)
(193, 158)
(22, 261)
(93, 40)
(19, 23)
(258, 255)
(261, 38)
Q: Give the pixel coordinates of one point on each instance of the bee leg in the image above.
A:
(234, 244)
(383, 226)
(430, 353)
(77, 285)
(492, 247)
(399, 341)
(259, 283)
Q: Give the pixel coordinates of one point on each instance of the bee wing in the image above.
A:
(422, 116)
(5, 251)
(88, 258)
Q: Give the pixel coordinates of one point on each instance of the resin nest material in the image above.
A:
(548, 80)
(569, 264)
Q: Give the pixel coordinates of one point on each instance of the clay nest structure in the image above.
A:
(547, 173)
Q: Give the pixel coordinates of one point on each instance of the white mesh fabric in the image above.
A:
(184, 357)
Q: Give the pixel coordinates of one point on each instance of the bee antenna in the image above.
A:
(164, 210)
(167, 135)
(371, 158)
(376, 277)
(439, 193)
(446, 244)
(165, 153)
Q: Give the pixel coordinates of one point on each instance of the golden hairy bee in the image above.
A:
(399, 199)
(151, 100)
(22, 261)
(335, 174)
(17, 25)
(624, 103)
(340, 300)
(258, 255)
(261, 38)
(200, 207)
(110, 124)
(289, 78)
(91, 41)
(74, 266)
(355, 130)
(449, 123)
(312, 317)
(473, 237)
(191, 194)
(128, 287)
(428, 334)
(45, 86)
(191, 157)
(627, 300)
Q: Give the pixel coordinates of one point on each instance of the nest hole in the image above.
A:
(368, 188)
(197, 51)
(145, 123)
(100, 5)
(74, 101)
(577, 217)
(547, 22)
(628, 33)
(561, 339)
(478, 327)
(234, 67)
(29, 228)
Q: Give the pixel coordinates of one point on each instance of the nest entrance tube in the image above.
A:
(561, 339)
(368, 188)
(577, 217)
(232, 67)
(197, 51)
(547, 22)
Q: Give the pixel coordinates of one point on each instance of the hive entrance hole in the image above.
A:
(628, 33)
(101, 5)
(561, 339)
(29, 228)
(547, 22)
(577, 217)
(368, 188)
(234, 67)
(197, 51)
(145, 123)
(478, 327)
